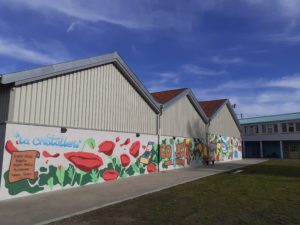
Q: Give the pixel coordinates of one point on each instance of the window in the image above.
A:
(255, 128)
(276, 128)
(284, 127)
(297, 126)
(291, 127)
(270, 128)
(263, 129)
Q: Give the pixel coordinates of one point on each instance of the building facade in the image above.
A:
(73, 124)
(224, 132)
(276, 136)
(183, 129)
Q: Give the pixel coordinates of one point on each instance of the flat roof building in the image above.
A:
(275, 136)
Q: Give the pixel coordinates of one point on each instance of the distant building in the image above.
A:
(276, 136)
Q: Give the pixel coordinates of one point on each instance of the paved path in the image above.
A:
(48, 207)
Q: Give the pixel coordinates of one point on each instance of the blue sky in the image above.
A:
(245, 50)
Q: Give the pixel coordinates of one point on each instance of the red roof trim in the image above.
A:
(210, 107)
(163, 97)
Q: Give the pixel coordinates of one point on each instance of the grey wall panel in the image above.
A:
(97, 98)
(2, 140)
(4, 103)
(181, 119)
(224, 124)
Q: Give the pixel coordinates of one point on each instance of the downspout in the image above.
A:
(207, 132)
(158, 136)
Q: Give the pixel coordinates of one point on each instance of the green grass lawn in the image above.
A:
(267, 193)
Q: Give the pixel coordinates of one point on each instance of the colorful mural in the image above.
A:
(181, 152)
(225, 148)
(40, 159)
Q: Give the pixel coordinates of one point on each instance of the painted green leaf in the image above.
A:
(60, 174)
(91, 143)
(43, 169)
(20, 186)
(130, 170)
(135, 168)
(94, 176)
(50, 183)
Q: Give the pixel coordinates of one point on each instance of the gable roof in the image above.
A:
(45, 72)
(271, 118)
(163, 97)
(169, 97)
(212, 107)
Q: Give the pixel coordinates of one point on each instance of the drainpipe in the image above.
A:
(207, 132)
(158, 136)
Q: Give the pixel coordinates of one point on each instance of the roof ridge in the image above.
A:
(177, 89)
(221, 99)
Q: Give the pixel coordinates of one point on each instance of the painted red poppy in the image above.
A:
(151, 168)
(135, 148)
(125, 160)
(117, 139)
(10, 148)
(48, 155)
(126, 142)
(107, 147)
(84, 161)
(110, 175)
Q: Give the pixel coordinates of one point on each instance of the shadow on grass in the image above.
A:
(284, 168)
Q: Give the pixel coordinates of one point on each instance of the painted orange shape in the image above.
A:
(10, 148)
(151, 168)
(84, 161)
(48, 155)
(110, 175)
(107, 147)
(125, 160)
(135, 148)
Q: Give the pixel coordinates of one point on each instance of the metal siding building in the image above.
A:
(224, 124)
(181, 119)
(96, 97)
(181, 115)
(224, 130)
(4, 103)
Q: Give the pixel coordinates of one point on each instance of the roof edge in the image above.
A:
(28, 76)
(231, 110)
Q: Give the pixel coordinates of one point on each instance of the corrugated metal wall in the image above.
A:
(224, 124)
(4, 103)
(97, 98)
(181, 119)
(2, 140)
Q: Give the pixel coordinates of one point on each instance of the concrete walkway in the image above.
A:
(52, 206)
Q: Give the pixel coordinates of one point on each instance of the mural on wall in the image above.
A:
(225, 148)
(34, 162)
(180, 152)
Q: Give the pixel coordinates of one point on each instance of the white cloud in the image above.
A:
(258, 97)
(19, 50)
(223, 60)
(163, 81)
(291, 38)
(73, 25)
(292, 81)
(194, 69)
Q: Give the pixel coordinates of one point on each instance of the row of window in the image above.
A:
(272, 128)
